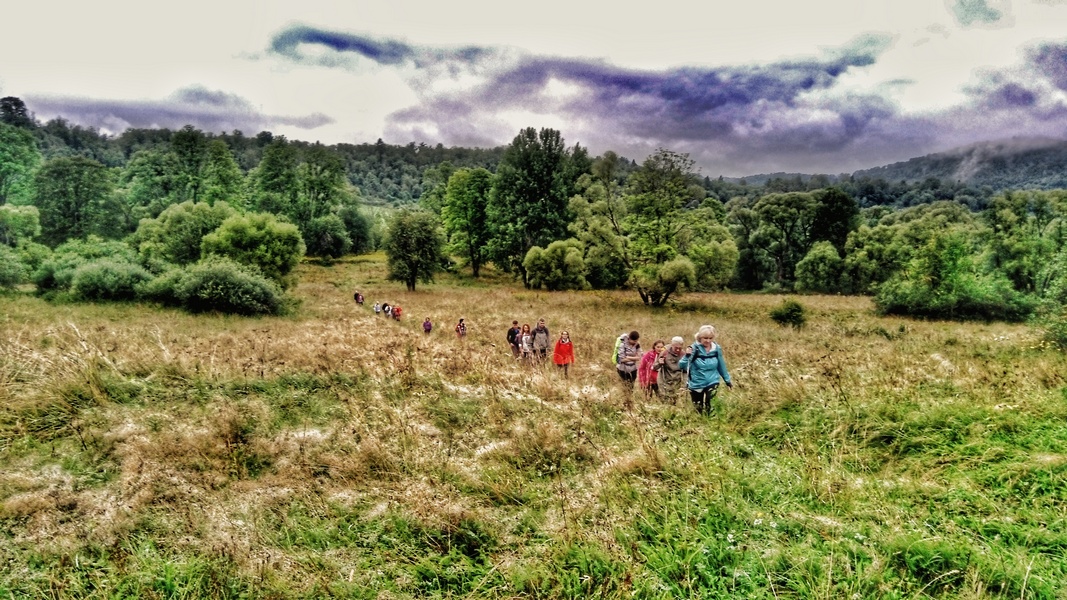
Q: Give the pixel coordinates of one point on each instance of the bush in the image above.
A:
(107, 279)
(558, 267)
(57, 272)
(12, 271)
(221, 284)
(327, 237)
(162, 288)
(176, 234)
(942, 282)
(820, 270)
(789, 313)
(274, 247)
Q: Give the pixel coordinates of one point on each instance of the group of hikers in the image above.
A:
(668, 368)
(531, 345)
(391, 311)
(662, 372)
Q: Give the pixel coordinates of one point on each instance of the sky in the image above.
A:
(759, 86)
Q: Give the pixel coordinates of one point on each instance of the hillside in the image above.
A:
(1005, 164)
(1000, 165)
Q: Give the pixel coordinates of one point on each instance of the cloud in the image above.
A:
(210, 110)
(979, 12)
(770, 110)
(314, 46)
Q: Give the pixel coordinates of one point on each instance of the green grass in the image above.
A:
(150, 454)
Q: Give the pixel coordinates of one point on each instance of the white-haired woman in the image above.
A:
(706, 365)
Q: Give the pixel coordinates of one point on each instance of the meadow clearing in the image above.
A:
(150, 453)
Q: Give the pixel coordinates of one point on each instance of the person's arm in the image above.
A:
(723, 372)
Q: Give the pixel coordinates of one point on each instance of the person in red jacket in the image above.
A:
(648, 377)
(563, 354)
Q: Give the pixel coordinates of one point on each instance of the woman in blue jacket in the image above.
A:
(707, 368)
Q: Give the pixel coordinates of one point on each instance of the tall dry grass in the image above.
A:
(236, 438)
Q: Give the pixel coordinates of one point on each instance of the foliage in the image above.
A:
(221, 177)
(260, 240)
(657, 283)
(221, 284)
(464, 215)
(414, 247)
(715, 263)
(176, 234)
(358, 227)
(56, 273)
(942, 282)
(18, 158)
(74, 197)
(534, 182)
(12, 271)
(107, 279)
(820, 269)
(789, 313)
(327, 237)
(18, 223)
(558, 267)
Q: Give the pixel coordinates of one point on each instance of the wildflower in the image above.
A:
(757, 522)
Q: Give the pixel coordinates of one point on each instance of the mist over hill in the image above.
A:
(1017, 163)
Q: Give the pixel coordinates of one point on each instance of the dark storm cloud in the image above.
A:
(747, 111)
(209, 110)
(340, 45)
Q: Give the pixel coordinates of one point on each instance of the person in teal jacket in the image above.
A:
(706, 368)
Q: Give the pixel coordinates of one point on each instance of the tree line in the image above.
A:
(549, 213)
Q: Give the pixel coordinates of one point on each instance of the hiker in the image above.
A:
(461, 329)
(396, 313)
(706, 365)
(563, 353)
(515, 338)
(541, 340)
(387, 310)
(648, 377)
(427, 325)
(359, 298)
(629, 355)
(377, 309)
(525, 342)
(671, 376)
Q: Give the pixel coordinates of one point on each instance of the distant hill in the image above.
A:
(1007, 164)
(1018, 163)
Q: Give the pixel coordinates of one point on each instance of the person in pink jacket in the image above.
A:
(647, 376)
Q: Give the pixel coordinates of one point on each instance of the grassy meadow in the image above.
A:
(149, 453)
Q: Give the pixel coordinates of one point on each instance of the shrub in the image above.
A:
(107, 279)
(223, 285)
(162, 288)
(12, 271)
(941, 282)
(789, 313)
(327, 237)
(820, 270)
(57, 272)
(176, 234)
(558, 267)
(274, 247)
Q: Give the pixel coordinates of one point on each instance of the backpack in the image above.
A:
(615, 352)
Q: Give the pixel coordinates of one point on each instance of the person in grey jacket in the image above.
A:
(628, 359)
(541, 340)
(706, 366)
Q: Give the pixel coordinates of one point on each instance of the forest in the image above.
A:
(219, 221)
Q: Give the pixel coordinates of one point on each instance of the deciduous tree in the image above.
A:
(414, 246)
